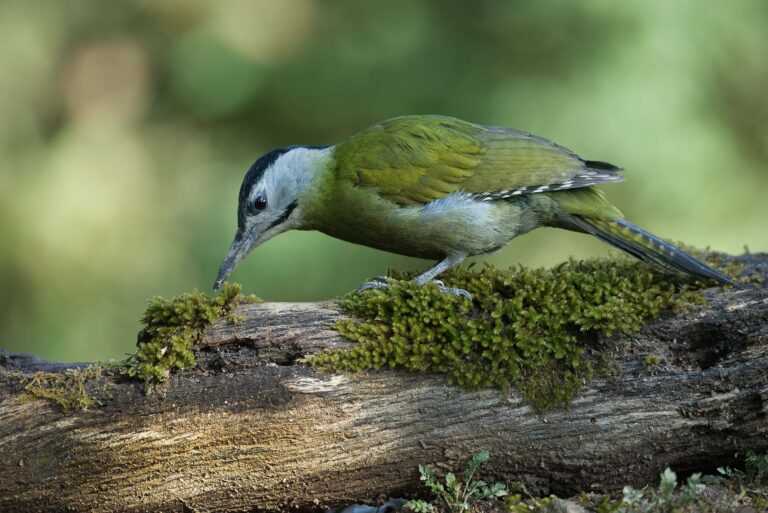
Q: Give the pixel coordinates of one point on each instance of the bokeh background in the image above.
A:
(126, 128)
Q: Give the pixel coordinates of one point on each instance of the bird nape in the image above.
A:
(440, 188)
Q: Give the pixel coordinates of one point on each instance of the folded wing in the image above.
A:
(417, 159)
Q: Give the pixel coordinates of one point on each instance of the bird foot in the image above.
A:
(452, 290)
(377, 282)
(381, 282)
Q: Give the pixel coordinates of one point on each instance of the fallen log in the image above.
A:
(249, 428)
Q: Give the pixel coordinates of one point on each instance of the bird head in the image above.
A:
(269, 201)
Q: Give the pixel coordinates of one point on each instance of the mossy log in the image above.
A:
(250, 428)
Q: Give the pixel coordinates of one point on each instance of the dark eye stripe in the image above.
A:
(290, 208)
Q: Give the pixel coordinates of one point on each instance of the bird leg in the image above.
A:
(427, 276)
(443, 265)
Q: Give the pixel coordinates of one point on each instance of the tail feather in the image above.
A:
(602, 166)
(647, 247)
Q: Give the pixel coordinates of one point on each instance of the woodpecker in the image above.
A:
(439, 188)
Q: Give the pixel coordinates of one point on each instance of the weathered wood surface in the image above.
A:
(249, 429)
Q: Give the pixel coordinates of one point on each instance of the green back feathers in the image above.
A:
(418, 159)
(515, 159)
(412, 159)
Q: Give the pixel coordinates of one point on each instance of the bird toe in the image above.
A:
(374, 284)
(453, 290)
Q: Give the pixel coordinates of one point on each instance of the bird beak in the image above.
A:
(241, 246)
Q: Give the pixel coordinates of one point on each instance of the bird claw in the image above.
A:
(452, 290)
(381, 282)
(378, 282)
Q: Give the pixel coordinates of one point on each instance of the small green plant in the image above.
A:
(756, 467)
(751, 481)
(755, 470)
(665, 499)
(601, 504)
(668, 498)
(458, 495)
(516, 503)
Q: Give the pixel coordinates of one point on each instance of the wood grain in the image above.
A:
(250, 429)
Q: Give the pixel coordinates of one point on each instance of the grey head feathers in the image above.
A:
(252, 177)
(269, 202)
(278, 173)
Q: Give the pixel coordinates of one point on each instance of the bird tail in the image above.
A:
(647, 247)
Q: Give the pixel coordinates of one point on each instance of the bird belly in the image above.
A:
(457, 223)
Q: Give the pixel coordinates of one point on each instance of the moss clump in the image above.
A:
(172, 327)
(651, 360)
(524, 327)
(67, 389)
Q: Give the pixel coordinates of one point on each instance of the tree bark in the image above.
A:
(250, 429)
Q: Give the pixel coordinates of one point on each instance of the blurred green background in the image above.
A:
(126, 128)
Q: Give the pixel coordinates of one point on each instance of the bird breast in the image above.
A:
(456, 223)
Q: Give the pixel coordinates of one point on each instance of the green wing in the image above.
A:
(417, 159)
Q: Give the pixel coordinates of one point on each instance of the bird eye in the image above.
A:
(259, 202)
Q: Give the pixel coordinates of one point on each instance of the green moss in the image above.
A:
(172, 327)
(525, 327)
(652, 360)
(67, 389)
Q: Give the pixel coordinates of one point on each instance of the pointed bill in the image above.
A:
(241, 246)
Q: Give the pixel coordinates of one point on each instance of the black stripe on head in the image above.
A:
(290, 208)
(257, 170)
(255, 173)
(252, 177)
